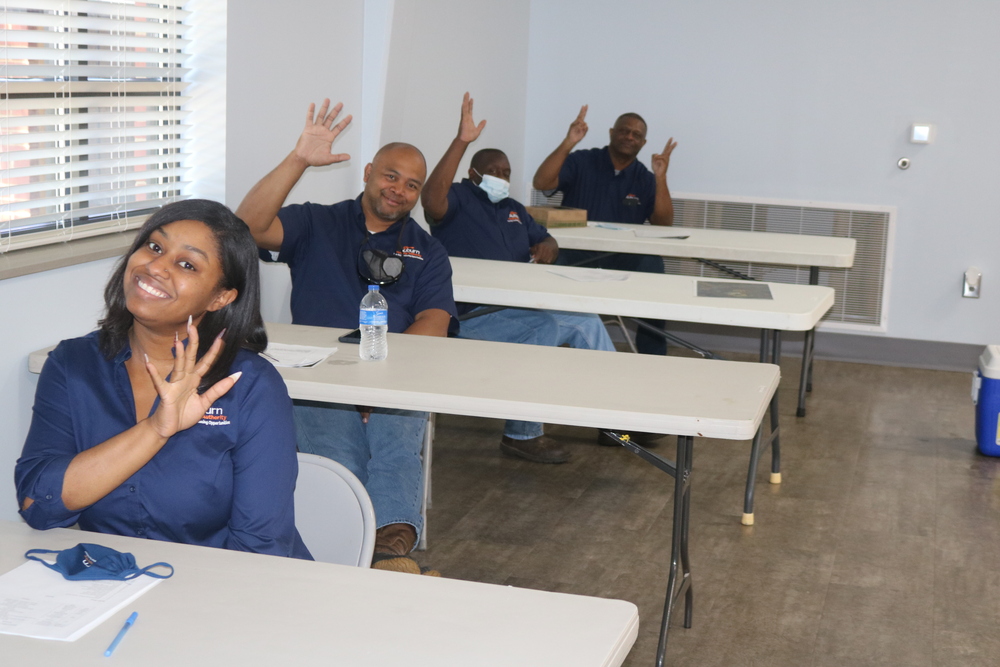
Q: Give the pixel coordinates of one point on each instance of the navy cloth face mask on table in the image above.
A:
(93, 561)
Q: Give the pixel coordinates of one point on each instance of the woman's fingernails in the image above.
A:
(236, 375)
(190, 319)
(146, 357)
(221, 334)
(176, 337)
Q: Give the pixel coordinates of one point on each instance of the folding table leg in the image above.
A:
(680, 568)
(755, 450)
(813, 280)
(679, 582)
(807, 347)
(775, 426)
(770, 352)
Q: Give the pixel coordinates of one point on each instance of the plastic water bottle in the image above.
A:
(374, 325)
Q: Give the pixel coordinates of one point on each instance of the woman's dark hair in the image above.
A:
(240, 271)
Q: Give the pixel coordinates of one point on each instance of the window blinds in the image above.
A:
(91, 116)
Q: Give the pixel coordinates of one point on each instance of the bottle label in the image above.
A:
(374, 318)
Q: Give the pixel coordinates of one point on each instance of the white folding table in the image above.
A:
(231, 608)
(650, 295)
(714, 244)
(718, 245)
(704, 398)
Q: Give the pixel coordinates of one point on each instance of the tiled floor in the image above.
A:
(880, 547)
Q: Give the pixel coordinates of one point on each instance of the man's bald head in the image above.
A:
(397, 146)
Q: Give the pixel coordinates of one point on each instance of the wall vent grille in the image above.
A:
(862, 290)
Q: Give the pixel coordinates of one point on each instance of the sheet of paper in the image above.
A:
(746, 289)
(583, 275)
(609, 225)
(651, 232)
(38, 602)
(296, 356)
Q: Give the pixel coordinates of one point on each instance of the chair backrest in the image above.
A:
(333, 512)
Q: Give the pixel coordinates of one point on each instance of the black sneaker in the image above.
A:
(540, 450)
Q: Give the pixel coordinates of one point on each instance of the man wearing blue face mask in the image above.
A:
(476, 218)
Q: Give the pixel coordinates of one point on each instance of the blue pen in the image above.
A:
(121, 634)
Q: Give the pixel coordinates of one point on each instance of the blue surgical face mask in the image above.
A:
(495, 188)
(93, 561)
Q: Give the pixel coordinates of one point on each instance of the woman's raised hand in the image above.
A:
(180, 404)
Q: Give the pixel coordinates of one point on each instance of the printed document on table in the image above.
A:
(38, 602)
(296, 356)
(583, 275)
(651, 232)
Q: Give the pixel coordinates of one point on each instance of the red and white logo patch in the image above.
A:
(514, 217)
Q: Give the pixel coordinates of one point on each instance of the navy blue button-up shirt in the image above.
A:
(588, 180)
(321, 246)
(225, 482)
(476, 227)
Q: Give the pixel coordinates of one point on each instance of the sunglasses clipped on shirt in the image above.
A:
(377, 267)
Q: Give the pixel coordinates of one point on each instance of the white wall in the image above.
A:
(439, 50)
(38, 310)
(809, 101)
(282, 56)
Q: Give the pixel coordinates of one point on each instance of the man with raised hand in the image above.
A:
(476, 218)
(613, 186)
(334, 252)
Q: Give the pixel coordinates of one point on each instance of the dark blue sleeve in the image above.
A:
(454, 206)
(433, 288)
(265, 467)
(48, 450)
(569, 172)
(296, 223)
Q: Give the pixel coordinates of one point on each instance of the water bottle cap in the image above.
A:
(373, 288)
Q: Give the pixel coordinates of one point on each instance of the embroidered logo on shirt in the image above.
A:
(514, 217)
(631, 199)
(411, 252)
(214, 417)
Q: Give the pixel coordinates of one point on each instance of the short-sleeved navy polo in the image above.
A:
(476, 227)
(588, 180)
(321, 245)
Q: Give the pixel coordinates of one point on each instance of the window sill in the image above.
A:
(69, 253)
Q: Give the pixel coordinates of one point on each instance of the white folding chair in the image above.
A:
(333, 512)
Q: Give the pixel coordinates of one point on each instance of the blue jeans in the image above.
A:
(645, 342)
(537, 327)
(384, 453)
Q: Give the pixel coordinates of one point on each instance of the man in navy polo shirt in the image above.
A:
(613, 187)
(476, 218)
(323, 247)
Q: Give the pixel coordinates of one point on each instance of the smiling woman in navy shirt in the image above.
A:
(165, 423)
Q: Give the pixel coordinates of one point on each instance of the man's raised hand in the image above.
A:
(316, 141)
(468, 131)
(578, 128)
(661, 161)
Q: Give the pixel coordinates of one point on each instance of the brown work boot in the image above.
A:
(540, 450)
(393, 543)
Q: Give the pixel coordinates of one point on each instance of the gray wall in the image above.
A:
(442, 49)
(808, 101)
(38, 310)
